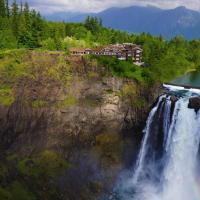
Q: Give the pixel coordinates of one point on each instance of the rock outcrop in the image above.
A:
(194, 103)
(80, 112)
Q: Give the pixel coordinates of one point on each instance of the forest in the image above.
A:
(22, 27)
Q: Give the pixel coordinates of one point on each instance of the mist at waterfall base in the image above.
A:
(167, 165)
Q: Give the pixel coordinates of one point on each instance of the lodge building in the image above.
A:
(121, 51)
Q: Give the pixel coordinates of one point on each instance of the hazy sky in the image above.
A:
(48, 6)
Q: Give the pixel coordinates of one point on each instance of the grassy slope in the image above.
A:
(18, 65)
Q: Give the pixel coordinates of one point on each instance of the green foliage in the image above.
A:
(3, 172)
(15, 18)
(39, 104)
(170, 66)
(68, 101)
(19, 192)
(7, 40)
(30, 30)
(11, 67)
(4, 194)
(36, 178)
(16, 191)
(25, 28)
(55, 44)
(46, 164)
(120, 68)
(10, 70)
(128, 90)
(110, 145)
(6, 96)
(48, 44)
(93, 24)
(92, 75)
(7, 8)
(2, 8)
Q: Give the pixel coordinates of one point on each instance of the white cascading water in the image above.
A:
(142, 153)
(171, 173)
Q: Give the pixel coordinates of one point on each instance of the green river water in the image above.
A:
(192, 79)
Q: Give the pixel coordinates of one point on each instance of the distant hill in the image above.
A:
(169, 23)
(67, 16)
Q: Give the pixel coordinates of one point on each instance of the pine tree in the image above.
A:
(2, 8)
(93, 24)
(24, 36)
(21, 8)
(37, 27)
(7, 8)
(15, 17)
(21, 20)
(27, 16)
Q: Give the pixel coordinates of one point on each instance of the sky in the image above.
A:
(51, 6)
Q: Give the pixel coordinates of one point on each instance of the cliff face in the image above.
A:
(72, 107)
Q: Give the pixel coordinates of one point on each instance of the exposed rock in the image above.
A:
(174, 99)
(83, 119)
(84, 114)
(194, 103)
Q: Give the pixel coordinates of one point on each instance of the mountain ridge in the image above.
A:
(137, 19)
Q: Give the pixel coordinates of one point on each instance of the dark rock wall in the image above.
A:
(93, 120)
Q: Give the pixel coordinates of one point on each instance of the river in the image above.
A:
(191, 78)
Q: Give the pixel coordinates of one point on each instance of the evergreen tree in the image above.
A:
(2, 8)
(21, 8)
(7, 39)
(22, 32)
(7, 8)
(37, 28)
(15, 17)
(57, 41)
(27, 16)
(93, 24)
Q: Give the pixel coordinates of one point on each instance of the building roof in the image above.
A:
(77, 49)
(112, 48)
(88, 49)
(98, 49)
(138, 47)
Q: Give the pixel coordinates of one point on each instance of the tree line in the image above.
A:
(22, 27)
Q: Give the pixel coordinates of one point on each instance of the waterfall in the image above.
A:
(167, 165)
(140, 162)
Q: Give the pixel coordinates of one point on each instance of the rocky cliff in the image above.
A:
(65, 109)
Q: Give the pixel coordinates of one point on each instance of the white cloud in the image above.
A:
(98, 5)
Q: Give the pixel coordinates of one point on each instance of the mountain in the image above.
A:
(68, 16)
(136, 19)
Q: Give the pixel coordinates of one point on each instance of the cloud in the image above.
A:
(46, 6)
